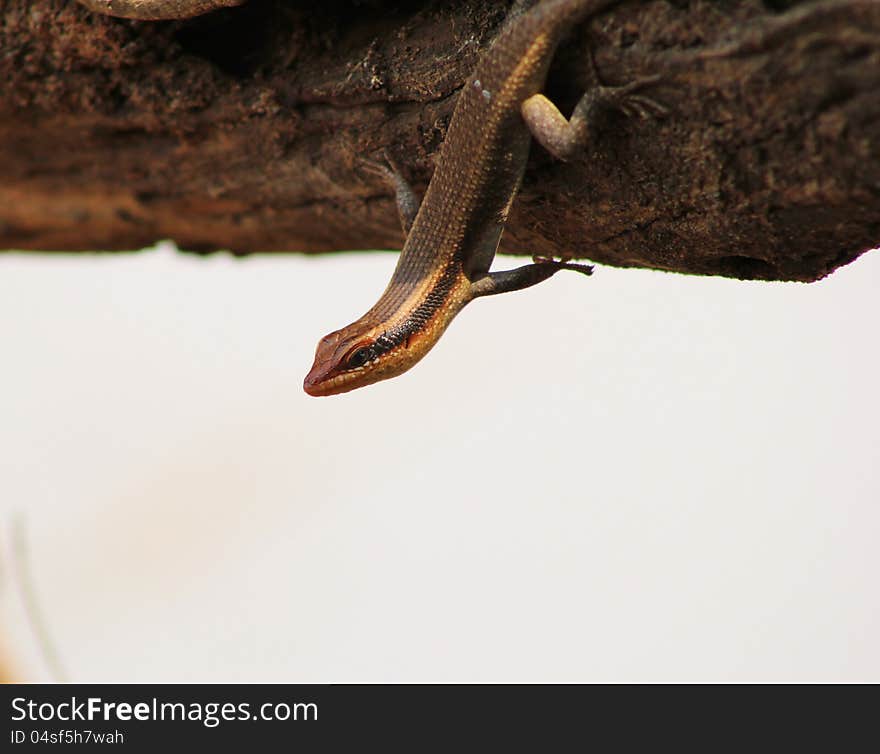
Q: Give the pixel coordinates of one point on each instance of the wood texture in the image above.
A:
(154, 10)
(241, 130)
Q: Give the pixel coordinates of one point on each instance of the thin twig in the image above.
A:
(23, 578)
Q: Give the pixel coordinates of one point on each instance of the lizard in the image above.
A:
(453, 234)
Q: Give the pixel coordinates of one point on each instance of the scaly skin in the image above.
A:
(450, 247)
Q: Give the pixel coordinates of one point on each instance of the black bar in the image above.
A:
(415, 717)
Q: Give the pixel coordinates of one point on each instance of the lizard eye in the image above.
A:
(360, 357)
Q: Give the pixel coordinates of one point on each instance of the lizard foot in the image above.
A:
(584, 269)
(407, 200)
(628, 99)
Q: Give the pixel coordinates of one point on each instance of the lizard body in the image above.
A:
(456, 230)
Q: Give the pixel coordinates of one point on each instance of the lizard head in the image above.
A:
(379, 345)
(354, 357)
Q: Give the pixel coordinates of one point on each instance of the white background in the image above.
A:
(638, 476)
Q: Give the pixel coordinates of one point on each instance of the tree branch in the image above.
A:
(241, 129)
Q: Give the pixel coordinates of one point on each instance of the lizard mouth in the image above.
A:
(318, 381)
(324, 380)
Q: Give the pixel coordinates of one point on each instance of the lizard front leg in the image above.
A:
(566, 138)
(523, 277)
(407, 200)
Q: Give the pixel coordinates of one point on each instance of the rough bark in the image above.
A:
(154, 10)
(242, 129)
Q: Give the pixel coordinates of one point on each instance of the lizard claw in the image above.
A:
(584, 269)
(388, 168)
(647, 107)
(375, 166)
(626, 99)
